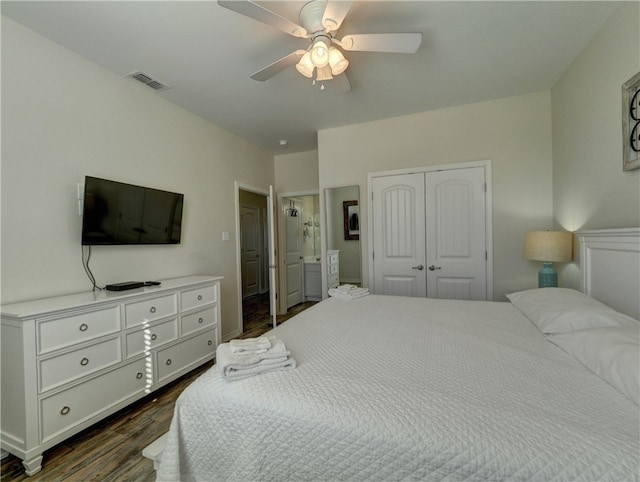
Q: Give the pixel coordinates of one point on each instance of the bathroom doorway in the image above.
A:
(300, 234)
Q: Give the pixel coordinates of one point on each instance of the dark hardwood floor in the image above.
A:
(111, 450)
(255, 311)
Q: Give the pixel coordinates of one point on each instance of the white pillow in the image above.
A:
(558, 310)
(612, 353)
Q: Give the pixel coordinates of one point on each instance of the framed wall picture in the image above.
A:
(351, 214)
(631, 123)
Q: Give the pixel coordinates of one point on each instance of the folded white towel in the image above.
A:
(250, 345)
(347, 288)
(237, 360)
(288, 364)
(241, 365)
(350, 294)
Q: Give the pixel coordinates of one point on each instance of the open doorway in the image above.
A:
(254, 260)
(259, 272)
(299, 242)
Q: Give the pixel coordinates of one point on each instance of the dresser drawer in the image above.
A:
(333, 258)
(150, 310)
(71, 407)
(198, 320)
(64, 368)
(74, 329)
(151, 337)
(198, 297)
(187, 353)
(333, 269)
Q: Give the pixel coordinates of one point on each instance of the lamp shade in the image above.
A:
(323, 73)
(550, 246)
(337, 61)
(305, 67)
(319, 53)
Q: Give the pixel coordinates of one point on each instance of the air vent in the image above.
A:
(147, 80)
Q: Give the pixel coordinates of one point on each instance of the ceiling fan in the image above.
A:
(320, 19)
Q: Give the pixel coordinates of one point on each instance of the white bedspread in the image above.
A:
(392, 388)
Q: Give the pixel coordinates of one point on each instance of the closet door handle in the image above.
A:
(433, 268)
(420, 267)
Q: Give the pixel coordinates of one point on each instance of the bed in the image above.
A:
(394, 388)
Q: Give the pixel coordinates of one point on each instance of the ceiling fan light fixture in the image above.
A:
(337, 62)
(323, 73)
(320, 53)
(305, 66)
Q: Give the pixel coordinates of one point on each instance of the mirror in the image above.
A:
(343, 236)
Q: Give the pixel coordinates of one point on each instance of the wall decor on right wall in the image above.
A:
(631, 123)
(351, 220)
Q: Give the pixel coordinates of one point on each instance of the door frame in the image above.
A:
(238, 186)
(282, 282)
(486, 164)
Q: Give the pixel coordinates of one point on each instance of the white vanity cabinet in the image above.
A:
(312, 281)
(333, 268)
(72, 360)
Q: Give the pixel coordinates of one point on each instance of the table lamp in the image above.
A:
(548, 246)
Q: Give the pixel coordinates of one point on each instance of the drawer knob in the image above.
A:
(199, 297)
(152, 309)
(209, 342)
(84, 327)
(139, 375)
(154, 336)
(65, 410)
(200, 320)
(169, 361)
(84, 361)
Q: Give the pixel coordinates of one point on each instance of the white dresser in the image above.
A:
(72, 360)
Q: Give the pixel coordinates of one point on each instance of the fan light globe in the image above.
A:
(337, 61)
(305, 66)
(320, 54)
(323, 73)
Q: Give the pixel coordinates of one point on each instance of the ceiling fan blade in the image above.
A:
(340, 84)
(261, 14)
(278, 66)
(334, 14)
(402, 43)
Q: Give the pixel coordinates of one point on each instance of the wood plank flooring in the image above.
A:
(111, 450)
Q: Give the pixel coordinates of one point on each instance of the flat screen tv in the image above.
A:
(119, 213)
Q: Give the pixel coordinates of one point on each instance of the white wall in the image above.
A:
(514, 133)
(296, 172)
(590, 188)
(64, 117)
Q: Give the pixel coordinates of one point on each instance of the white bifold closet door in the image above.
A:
(429, 234)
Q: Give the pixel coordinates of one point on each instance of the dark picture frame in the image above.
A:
(351, 215)
(631, 123)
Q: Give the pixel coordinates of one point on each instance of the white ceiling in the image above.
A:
(471, 52)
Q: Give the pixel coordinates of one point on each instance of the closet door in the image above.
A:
(456, 246)
(399, 235)
(429, 234)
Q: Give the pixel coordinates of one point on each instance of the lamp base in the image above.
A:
(547, 277)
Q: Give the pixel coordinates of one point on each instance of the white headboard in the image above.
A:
(610, 267)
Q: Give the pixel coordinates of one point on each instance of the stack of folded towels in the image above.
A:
(348, 292)
(240, 359)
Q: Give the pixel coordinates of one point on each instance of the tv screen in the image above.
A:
(119, 213)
